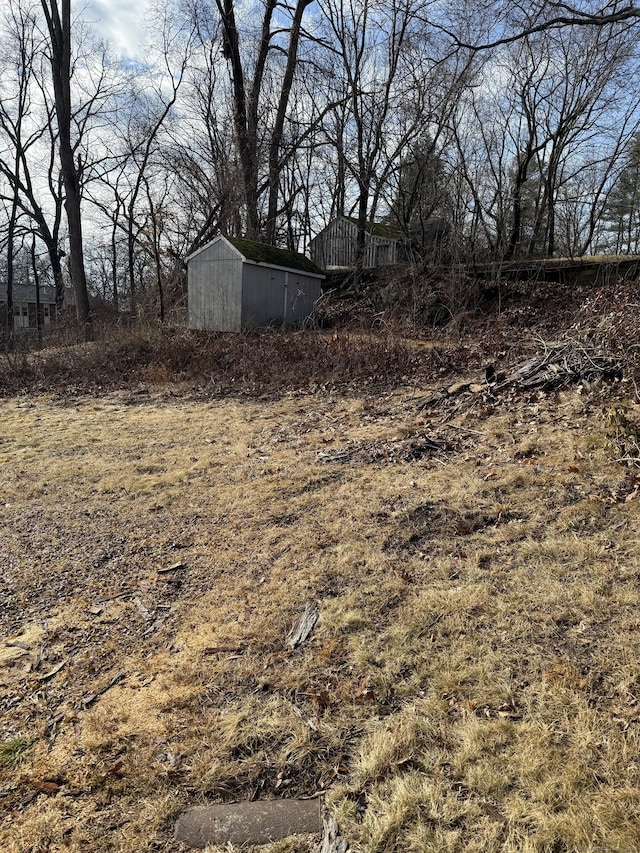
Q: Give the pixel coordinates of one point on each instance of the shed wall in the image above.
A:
(282, 295)
(302, 294)
(335, 246)
(215, 290)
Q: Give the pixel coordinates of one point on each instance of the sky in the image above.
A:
(120, 22)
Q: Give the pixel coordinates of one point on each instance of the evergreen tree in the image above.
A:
(421, 207)
(622, 213)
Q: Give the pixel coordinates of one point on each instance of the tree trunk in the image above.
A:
(245, 106)
(59, 26)
(36, 282)
(516, 225)
(10, 274)
(276, 135)
(361, 236)
(114, 267)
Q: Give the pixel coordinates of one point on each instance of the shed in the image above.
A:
(234, 283)
(335, 246)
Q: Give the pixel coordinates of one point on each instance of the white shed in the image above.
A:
(235, 283)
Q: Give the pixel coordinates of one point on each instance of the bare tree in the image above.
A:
(261, 75)
(58, 20)
(369, 41)
(14, 112)
(551, 120)
(144, 129)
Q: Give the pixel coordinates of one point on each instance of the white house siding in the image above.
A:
(24, 305)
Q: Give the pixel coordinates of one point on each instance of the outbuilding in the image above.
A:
(235, 283)
(334, 248)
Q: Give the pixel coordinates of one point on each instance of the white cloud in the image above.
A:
(121, 23)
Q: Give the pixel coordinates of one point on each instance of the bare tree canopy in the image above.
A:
(509, 125)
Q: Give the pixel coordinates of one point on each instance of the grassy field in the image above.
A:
(472, 683)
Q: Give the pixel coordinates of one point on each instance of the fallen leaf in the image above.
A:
(46, 787)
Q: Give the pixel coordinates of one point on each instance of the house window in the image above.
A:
(25, 311)
(16, 311)
(45, 310)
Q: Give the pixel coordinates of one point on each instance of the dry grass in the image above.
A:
(472, 683)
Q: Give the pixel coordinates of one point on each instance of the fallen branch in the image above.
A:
(89, 700)
(332, 841)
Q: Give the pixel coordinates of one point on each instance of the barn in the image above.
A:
(235, 283)
(335, 246)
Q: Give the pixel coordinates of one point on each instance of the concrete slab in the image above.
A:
(248, 823)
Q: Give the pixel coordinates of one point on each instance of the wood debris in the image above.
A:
(89, 700)
(400, 450)
(564, 363)
(165, 570)
(558, 365)
(304, 626)
(332, 841)
(52, 672)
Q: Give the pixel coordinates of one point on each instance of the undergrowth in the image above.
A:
(270, 360)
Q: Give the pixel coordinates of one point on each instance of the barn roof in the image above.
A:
(377, 229)
(381, 229)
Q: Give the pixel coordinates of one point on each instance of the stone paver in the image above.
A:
(248, 823)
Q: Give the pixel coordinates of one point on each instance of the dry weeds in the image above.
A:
(473, 680)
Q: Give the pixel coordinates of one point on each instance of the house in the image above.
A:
(335, 246)
(25, 301)
(235, 283)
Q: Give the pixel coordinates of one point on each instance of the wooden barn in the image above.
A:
(335, 246)
(235, 283)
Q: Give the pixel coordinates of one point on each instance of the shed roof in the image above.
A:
(387, 230)
(261, 253)
(27, 293)
(381, 229)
